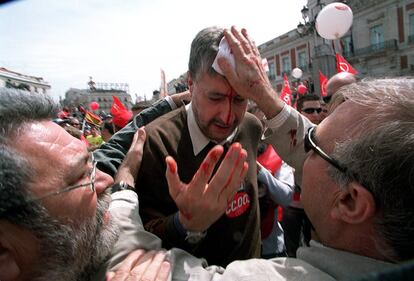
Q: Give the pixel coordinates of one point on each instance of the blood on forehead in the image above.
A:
(231, 93)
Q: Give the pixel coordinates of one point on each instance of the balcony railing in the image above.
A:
(376, 48)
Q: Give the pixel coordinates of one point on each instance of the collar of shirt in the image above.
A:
(198, 139)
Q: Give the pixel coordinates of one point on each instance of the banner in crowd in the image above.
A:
(286, 93)
(323, 81)
(93, 119)
(343, 66)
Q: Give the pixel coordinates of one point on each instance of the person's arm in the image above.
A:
(286, 127)
(124, 207)
(111, 154)
(280, 191)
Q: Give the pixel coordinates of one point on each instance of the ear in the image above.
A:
(190, 82)
(354, 205)
(9, 267)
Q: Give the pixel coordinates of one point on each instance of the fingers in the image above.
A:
(230, 171)
(233, 183)
(141, 265)
(244, 42)
(164, 271)
(138, 139)
(234, 43)
(124, 270)
(205, 170)
(156, 269)
(251, 42)
(137, 146)
(231, 190)
(173, 180)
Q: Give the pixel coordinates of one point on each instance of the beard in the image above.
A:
(72, 252)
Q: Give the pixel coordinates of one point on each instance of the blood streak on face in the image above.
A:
(230, 95)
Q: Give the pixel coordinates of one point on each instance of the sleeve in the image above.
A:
(281, 192)
(132, 235)
(286, 132)
(111, 154)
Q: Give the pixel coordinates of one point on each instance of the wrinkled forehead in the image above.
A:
(344, 123)
(46, 141)
(311, 103)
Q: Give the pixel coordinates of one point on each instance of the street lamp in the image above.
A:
(308, 26)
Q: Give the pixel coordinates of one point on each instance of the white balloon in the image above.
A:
(334, 20)
(297, 73)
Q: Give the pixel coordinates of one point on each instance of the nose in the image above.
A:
(226, 113)
(102, 181)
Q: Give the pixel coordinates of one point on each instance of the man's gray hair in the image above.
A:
(17, 108)
(381, 157)
(204, 49)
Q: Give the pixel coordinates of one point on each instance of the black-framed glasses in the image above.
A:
(90, 183)
(311, 110)
(310, 143)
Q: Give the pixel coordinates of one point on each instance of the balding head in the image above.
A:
(337, 81)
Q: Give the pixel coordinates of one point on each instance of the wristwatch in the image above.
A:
(194, 237)
(121, 186)
(191, 237)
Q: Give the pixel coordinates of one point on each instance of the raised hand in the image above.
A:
(132, 161)
(249, 78)
(202, 202)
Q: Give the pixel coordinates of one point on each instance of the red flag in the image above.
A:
(117, 106)
(286, 94)
(343, 66)
(323, 81)
(120, 114)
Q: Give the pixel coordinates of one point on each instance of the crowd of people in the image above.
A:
(221, 182)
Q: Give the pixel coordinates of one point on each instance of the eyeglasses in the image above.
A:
(90, 183)
(311, 144)
(311, 110)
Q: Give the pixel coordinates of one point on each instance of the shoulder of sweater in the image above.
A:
(252, 122)
(177, 116)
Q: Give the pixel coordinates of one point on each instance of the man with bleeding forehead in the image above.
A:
(219, 225)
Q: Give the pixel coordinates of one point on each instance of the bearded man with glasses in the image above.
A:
(57, 217)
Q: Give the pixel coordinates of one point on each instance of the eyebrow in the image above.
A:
(75, 168)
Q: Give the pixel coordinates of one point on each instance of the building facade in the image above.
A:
(12, 79)
(101, 93)
(380, 43)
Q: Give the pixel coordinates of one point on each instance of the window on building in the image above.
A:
(272, 71)
(302, 59)
(411, 29)
(376, 35)
(346, 44)
(285, 65)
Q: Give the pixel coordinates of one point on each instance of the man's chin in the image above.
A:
(220, 133)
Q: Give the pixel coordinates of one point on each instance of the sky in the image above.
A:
(124, 41)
